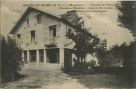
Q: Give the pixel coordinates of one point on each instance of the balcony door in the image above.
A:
(52, 31)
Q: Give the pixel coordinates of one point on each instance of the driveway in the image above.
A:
(56, 79)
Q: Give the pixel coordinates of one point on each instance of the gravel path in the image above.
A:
(56, 79)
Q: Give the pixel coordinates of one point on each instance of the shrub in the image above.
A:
(10, 59)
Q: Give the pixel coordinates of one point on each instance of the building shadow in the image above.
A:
(103, 77)
(16, 78)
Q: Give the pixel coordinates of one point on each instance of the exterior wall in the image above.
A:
(68, 43)
(41, 31)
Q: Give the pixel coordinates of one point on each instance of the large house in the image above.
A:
(43, 38)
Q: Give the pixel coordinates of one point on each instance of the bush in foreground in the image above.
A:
(10, 59)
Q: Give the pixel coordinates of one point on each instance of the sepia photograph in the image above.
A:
(67, 44)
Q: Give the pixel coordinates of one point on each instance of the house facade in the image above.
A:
(43, 38)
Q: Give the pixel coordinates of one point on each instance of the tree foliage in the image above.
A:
(128, 15)
(10, 58)
(85, 42)
(128, 20)
(101, 55)
(126, 52)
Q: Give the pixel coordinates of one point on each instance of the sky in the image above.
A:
(103, 24)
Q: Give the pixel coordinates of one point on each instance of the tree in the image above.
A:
(101, 55)
(128, 55)
(128, 20)
(128, 15)
(85, 42)
(11, 57)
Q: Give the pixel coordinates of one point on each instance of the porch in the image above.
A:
(44, 57)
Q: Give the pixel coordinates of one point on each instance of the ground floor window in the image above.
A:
(53, 55)
(25, 56)
(41, 55)
(32, 55)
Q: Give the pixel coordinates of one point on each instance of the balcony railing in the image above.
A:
(52, 41)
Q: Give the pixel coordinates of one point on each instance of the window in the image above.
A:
(25, 56)
(68, 33)
(52, 31)
(32, 36)
(38, 17)
(18, 39)
(27, 20)
(18, 36)
(41, 55)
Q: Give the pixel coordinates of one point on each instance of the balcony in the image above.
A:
(52, 42)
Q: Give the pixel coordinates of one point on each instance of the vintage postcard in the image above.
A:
(68, 44)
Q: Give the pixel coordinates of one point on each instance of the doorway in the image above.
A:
(53, 55)
(32, 55)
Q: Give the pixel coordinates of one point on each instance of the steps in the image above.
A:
(42, 66)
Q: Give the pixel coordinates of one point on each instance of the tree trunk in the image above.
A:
(78, 59)
(81, 60)
(12, 76)
(84, 60)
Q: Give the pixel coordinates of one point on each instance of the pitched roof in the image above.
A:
(29, 10)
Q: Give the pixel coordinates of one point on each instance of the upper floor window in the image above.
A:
(68, 32)
(52, 31)
(38, 18)
(27, 20)
(32, 36)
(18, 38)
